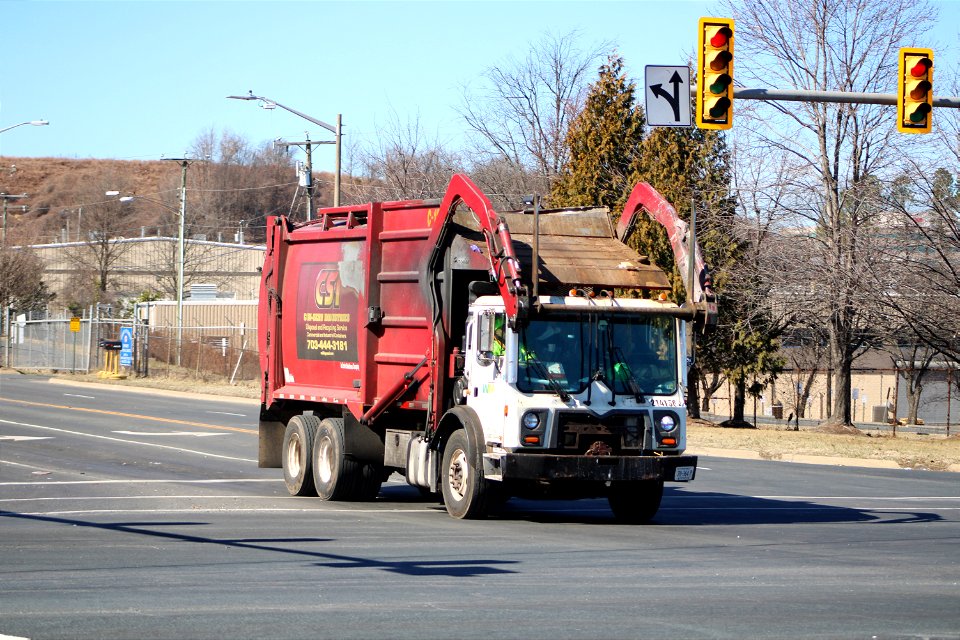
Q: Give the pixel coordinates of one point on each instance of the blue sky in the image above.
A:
(140, 80)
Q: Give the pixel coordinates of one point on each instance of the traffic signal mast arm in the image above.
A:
(714, 93)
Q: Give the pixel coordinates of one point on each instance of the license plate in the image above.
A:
(683, 474)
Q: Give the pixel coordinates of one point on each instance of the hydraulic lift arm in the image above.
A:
(700, 291)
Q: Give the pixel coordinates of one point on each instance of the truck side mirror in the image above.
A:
(486, 341)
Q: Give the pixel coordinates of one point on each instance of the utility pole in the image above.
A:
(184, 163)
(6, 197)
(306, 179)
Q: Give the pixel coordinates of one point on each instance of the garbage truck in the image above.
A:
(482, 355)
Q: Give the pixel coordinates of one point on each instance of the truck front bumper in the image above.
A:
(534, 466)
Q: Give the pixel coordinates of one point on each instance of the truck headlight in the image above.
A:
(667, 424)
(531, 420)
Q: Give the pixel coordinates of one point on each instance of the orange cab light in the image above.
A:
(531, 439)
(662, 297)
(669, 441)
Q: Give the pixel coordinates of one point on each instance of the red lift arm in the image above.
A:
(700, 291)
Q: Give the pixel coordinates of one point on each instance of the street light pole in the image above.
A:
(36, 123)
(336, 130)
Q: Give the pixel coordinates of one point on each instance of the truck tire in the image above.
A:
(635, 502)
(298, 438)
(465, 492)
(338, 476)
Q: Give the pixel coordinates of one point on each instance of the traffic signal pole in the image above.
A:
(848, 97)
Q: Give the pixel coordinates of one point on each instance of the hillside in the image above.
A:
(63, 193)
(58, 187)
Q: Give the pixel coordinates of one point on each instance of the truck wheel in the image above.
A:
(465, 492)
(336, 476)
(635, 502)
(297, 453)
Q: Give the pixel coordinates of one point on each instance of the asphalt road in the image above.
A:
(134, 515)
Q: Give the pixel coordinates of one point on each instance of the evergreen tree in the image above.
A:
(605, 143)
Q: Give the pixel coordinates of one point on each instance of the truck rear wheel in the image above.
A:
(465, 492)
(635, 502)
(298, 438)
(338, 476)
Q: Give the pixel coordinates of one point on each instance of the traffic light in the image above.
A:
(915, 91)
(715, 77)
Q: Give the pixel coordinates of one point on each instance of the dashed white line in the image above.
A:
(145, 444)
(132, 481)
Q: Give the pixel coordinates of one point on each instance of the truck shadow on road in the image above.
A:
(451, 568)
(684, 508)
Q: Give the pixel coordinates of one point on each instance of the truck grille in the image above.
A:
(578, 432)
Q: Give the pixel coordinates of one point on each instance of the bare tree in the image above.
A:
(405, 163)
(523, 110)
(21, 283)
(825, 45)
(105, 221)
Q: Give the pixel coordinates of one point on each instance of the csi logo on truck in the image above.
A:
(327, 292)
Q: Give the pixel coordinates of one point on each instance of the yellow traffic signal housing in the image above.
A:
(715, 77)
(915, 91)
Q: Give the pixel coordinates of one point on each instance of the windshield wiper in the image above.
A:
(543, 372)
(625, 370)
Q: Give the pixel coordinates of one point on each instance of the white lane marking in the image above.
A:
(689, 496)
(145, 444)
(19, 464)
(105, 498)
(198, 434)
(170, 481)
(224, 510)
(80, 395)
(227, 413)
(23, 438)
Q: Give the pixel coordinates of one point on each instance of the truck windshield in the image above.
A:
(629, 354)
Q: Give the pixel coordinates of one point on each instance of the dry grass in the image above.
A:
(907, 450)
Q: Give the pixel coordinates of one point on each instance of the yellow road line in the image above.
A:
(135, 416)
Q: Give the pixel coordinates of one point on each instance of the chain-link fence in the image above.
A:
(229, 353)
(209, 353)
(60, 344)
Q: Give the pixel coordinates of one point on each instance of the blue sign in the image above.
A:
(126, 346)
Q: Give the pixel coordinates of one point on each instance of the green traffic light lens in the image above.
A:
(720, 84)
(920, 113)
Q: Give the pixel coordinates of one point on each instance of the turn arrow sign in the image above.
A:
(667, 96)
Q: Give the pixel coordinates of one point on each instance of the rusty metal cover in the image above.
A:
(596, 259)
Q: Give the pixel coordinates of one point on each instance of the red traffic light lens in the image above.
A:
(721, 37)
(920, 69)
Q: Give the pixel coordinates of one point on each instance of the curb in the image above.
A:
(155, 391)
(836, 461)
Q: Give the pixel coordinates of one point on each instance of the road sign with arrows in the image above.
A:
(667, 92)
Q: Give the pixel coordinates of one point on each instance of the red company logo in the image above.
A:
(327, 291)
